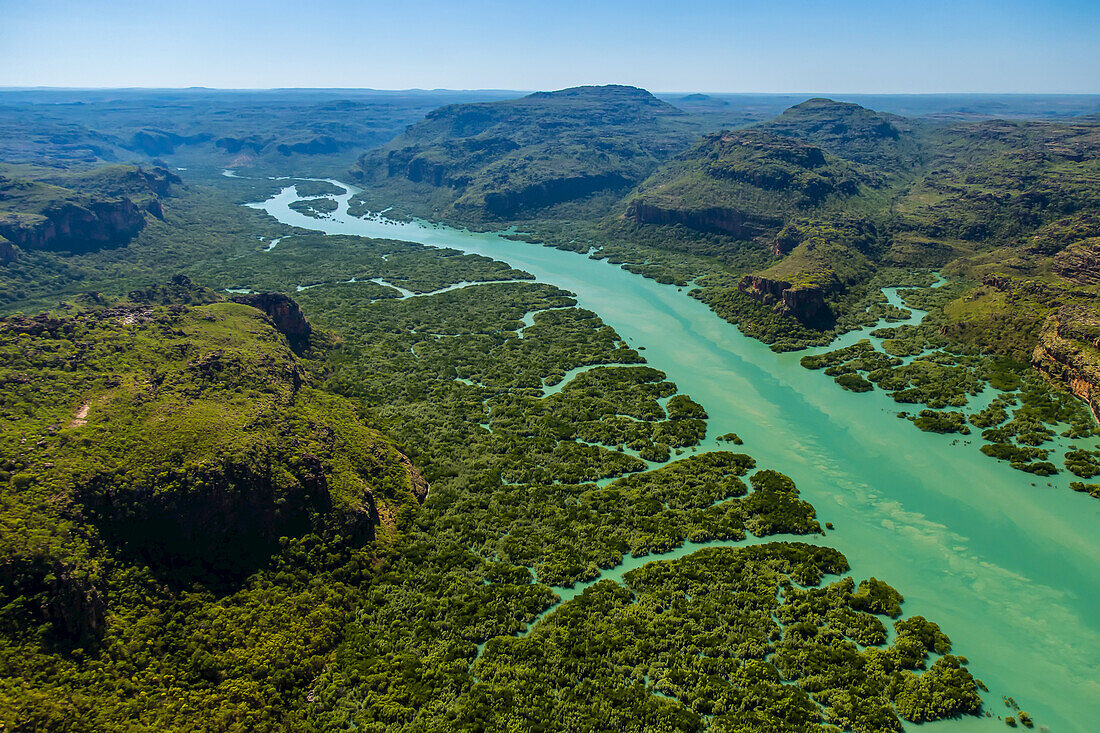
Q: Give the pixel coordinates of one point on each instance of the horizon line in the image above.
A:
(531, 91)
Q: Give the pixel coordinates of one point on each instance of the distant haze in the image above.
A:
(789, 46)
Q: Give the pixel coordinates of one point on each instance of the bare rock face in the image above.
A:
(225, 519)
(75, 607)
(549, 192)
(159, 180)
(71, 227)
(417, 482)
(315, 146)
(713, 219)
(806, 304)
(285, 314)
(1068, 350)
(52, 591)
(418, 169)
(1080, 262)
(8, 253)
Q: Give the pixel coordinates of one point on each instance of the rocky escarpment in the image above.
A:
(315, 146)
(549, 192)
(43, 590)
(75, 227)
(1069, 351)
(1080, 262)
(226, 518)
(407, 164)
(284, 314)
(8, 252)
(160, 142)
(417, 483)
(806, 304)
(157, 179)
(200, 443)
(178, 291)
(710, 219)
(234, 145)
(744, 183)
(82, 212)
(502, 159)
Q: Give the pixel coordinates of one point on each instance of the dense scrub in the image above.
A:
(720, 640)
(351, 606)
(919, 365)
(184, 517)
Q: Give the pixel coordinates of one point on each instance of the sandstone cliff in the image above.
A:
(711, 219)
(806, 304)
(285, 314)
(75, 227)
(1069, 352)
(7, 251)
(52, 591)
(549, 192)
(1080, 262)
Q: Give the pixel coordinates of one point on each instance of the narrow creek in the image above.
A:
(1007, 563)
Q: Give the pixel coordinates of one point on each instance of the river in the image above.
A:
(1008, 565)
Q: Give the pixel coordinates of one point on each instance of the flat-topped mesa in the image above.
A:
(74, 227)
(211, 445)
(806, 304)
(93, 210)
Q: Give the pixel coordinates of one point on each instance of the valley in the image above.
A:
(587, 407)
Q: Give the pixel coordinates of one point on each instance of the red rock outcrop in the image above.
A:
(1069, 352)
(72, 227)
(1079, 263)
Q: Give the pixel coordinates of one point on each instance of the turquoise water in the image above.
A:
(1008, 565)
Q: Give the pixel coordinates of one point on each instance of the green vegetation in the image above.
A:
(933, 421)
(500, 158)
(307, 259)
(78, 212)
(511, 510)
(1090, 489)
(312, 189)
(139, 443)
(163, 429)
(741, 645)
(742, 183)
(942, 372)
(1083, 463)
(317, 208)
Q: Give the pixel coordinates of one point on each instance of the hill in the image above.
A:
(498, 159)
(850, 131)
(154, 452)
(838, 193)
(80, 211)
(743, 183)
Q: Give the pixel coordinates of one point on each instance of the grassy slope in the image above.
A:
(154, 456)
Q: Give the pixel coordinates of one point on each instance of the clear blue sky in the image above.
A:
(685, 45)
